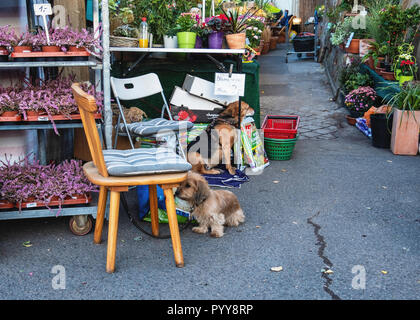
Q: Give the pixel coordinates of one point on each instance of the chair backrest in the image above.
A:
(137, 87)
(87, 107)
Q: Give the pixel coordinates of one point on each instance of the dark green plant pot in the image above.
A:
(381, 130)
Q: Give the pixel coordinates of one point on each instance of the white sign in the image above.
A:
(226, 84)
(349, 40)
(43, 9)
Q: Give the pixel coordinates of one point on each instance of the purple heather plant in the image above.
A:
(7, 36)
(24, 39)
(26, 180)
(361, 99)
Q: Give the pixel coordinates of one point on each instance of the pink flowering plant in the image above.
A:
(23, 39)
(7, 36)
(26, 180)
(361, 100)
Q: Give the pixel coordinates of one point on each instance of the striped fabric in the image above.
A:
(158, 125)
(143, 161)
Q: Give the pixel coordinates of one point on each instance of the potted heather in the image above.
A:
(9, 103)
(186, 36)
(23, 42)
(6, 38)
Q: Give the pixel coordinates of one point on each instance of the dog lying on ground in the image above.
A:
(215, 143)
(212, 208)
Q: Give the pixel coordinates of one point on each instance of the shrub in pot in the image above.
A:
(236, 36)
(216, 25)
(6, 38)
(405, 125)
(23, 42)
(186, 35)
(170, 40)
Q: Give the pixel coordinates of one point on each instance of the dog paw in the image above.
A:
(232, 171)
(217, 234)
(199, 230)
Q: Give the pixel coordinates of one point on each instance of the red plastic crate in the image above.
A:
(280, 127)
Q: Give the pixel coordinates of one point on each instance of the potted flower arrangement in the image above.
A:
(6, 38)
(23, 42)
(170, 40)
(405, 126)
(9, 103)
(253, 34)
(405, 65)
(237, 23)
(202, 32)
(217, 25)
(360, 100)
(186, 36)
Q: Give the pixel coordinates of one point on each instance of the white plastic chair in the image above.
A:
(137, 88)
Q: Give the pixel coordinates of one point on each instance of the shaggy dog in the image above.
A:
(212, 208)
(134, 114)
(215, 143)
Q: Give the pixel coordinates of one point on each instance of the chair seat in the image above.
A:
(154, 126)
(135, 162)
(92, 173)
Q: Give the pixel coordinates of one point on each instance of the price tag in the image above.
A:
(43, 9)
(226, 84)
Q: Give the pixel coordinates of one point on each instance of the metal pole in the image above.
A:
(106, 75)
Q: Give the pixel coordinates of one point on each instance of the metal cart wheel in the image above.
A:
(81, 225)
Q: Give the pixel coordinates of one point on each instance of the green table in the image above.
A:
(172, 72)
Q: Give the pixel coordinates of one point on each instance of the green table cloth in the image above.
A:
(384, 88)
(172, 72)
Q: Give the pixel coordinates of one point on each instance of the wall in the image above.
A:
(291, 5)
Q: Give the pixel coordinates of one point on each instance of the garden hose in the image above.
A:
(136, 223)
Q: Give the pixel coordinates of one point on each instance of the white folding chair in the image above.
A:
(138, 88)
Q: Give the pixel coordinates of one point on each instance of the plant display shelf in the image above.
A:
(20, 118)
(39, 56)
(27, 64)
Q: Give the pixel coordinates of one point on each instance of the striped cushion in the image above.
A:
(142, 161)
(158, 125)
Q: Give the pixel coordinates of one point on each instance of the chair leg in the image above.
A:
(154, 209)
(112, 231)
(173, 226)
(103, 194)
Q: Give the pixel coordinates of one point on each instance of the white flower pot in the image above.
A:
(170, 42)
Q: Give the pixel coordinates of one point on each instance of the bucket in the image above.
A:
(381, 130)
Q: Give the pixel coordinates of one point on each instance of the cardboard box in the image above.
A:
(205, 89)
(185, 106)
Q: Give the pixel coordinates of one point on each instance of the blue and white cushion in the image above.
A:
(142, 161)
(158, 125)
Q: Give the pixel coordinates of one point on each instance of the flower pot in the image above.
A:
(198, 42)
(273, 43)
(186, 40)
(370, 63)
(281, 38)
(350, 120)
(381, 130)
(170, 42)
(32, 113)
(22, 49)
(405, 132)
(354, 46)
(76, 49)
(9, 113)
(355, 114)
(387, 75)
(236, 40)
(50, 49)
(364, 45)
(216, 40)
(403, 79)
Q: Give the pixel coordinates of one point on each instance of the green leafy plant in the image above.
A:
(408, 98)
(237, 22)
(186, 22)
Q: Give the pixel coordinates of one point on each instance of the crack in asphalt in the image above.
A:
(322, 245)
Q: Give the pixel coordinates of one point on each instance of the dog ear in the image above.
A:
(231, 110)
(202, 192)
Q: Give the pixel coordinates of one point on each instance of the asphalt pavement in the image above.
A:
(341, 219)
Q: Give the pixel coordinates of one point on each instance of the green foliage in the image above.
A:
(408, 99)
(186, 23)
(237, 22)
(350, 77)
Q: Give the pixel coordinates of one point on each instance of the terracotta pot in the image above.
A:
(273, 43)
(32, 113)
(354, 46)
(281, 38)
(3, 51)
(370, 63)
(76, 49)
(51, 49)
(388, 75)
(405, 133)
(350, 120)
(236, 40)
(22, 49)
(9, 113)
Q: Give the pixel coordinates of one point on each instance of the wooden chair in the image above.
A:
(281, 31)
(96, 171)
